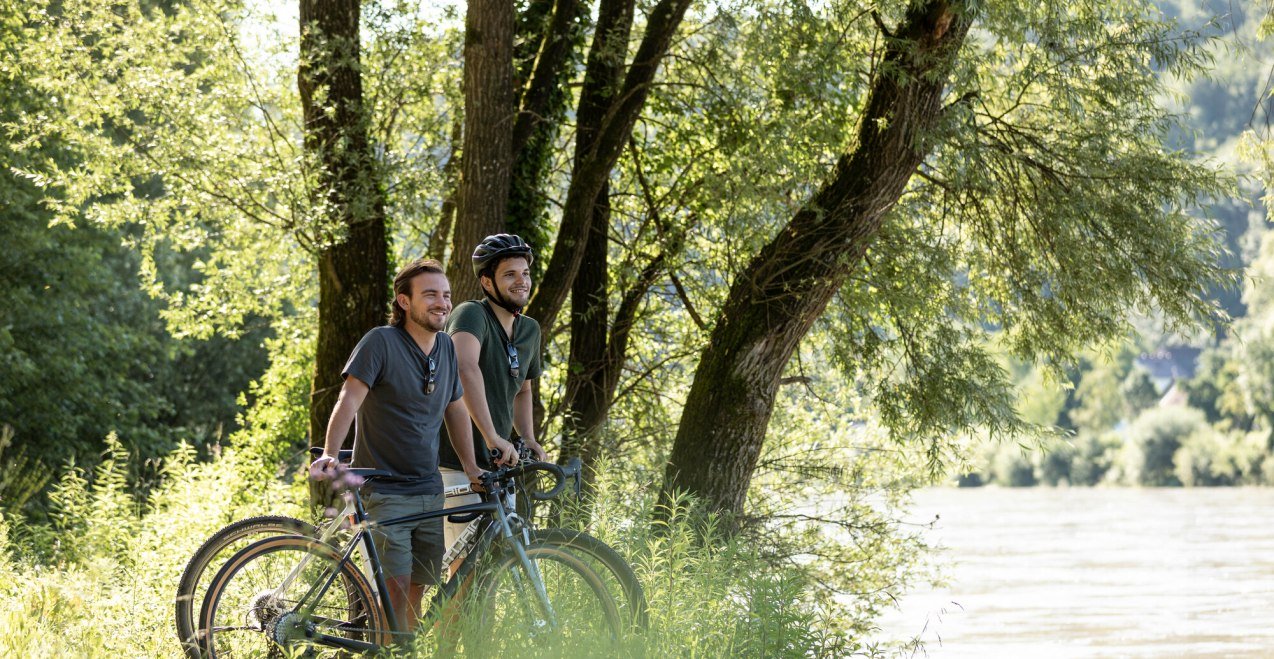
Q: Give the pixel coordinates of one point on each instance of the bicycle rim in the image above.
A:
(513, 617)
(214, 552)
(615, 572)
(251, 612)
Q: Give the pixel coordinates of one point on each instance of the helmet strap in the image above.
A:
(498, 298)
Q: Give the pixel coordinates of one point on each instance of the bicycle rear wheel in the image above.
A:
(215, 551)
(290, 595)
(573, 614)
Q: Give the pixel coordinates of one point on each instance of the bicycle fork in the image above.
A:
(529, 568)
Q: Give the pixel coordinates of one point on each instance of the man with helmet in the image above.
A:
(498, 352)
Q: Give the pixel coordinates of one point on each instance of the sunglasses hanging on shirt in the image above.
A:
(510, 350)
(432, 382)
(515, 368)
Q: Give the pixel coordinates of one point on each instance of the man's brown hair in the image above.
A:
(402, 286)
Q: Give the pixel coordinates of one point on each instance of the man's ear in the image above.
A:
(485, 283)
(403, 301)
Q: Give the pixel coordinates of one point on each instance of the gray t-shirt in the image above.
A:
(396, 428)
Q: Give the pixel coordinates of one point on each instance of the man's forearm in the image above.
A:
(475, 399)
(460, 433)
(338, 428)
(524, 415)
(353, 391)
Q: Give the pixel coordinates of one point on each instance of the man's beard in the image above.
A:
(506, 300)
(430, 322)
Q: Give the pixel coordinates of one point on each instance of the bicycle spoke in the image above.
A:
(325, 602)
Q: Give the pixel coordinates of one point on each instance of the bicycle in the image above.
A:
(293, 590)
(614, 570)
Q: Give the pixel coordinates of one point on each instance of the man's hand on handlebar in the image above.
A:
(537, 451)
(476, 475)
(503, 452)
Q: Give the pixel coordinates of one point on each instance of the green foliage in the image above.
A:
(1153, 440)
(711, 598)
(84, 351)
(1100, 402)
(1012, 467)
(1040, 401)
(1094, 456)
(275, 424)
(1139, 392)
(1211, 458)
(184, 141)
(112, 554)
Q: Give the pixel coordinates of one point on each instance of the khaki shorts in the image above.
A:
(452, 477)
(414, 549)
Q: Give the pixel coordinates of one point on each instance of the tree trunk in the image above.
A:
(773, 303)
(551, 33)
(598, 352)
(441, 236)
(593, 167)
(353, 266)
(487, 156)
(585, 397)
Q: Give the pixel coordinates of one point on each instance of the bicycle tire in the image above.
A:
(621, 581)
(214, 551)
(250, 611)
(505, 616)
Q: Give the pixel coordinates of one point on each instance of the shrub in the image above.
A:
(1012, 467)
(1209, 458)
(1151, 443)
(1053, 463)
(1093, 457)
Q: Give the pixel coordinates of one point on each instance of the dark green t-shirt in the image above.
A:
(396, 427)
(478, 319)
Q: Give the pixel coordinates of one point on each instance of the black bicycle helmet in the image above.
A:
(499, 246)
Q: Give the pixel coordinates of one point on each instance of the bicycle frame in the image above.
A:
(348, 514)
(493, 507)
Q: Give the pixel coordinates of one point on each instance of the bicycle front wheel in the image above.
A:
(215, 551)
(615, 572)
(559, 603)
(289, 596)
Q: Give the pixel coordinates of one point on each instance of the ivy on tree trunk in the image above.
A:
(353, 261)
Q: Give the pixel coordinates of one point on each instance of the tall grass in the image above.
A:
(99, 579)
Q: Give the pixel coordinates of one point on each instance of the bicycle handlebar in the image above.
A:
(492, 479)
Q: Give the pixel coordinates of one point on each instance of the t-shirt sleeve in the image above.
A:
(468, 317)
(367, 362)
(457, 389)
(533, 368)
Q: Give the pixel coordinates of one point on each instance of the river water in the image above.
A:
(1095, 573)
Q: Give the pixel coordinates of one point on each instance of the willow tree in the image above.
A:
(995, 165)
(1006, 171)
(506, 178)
